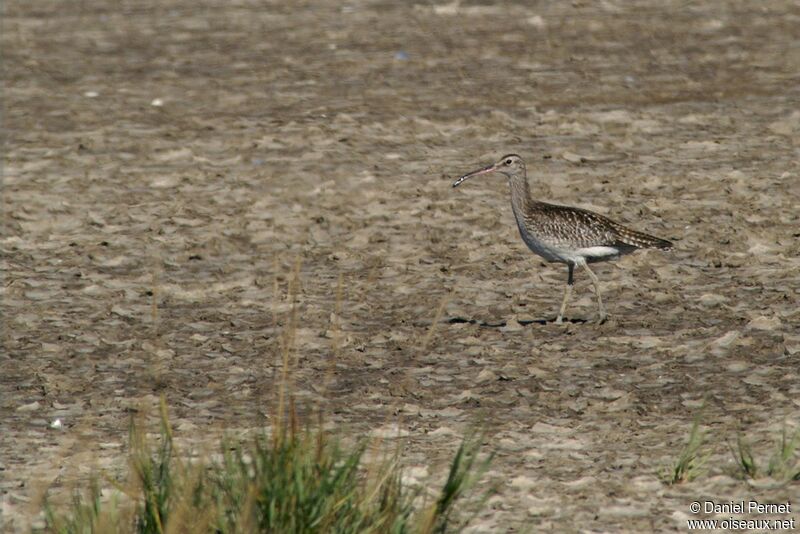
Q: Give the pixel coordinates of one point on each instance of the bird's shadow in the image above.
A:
(501, 324)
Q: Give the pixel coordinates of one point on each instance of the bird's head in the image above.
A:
(510, 165)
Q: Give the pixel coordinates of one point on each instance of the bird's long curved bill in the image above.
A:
(485, 170)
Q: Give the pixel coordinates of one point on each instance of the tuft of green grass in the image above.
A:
(466, 469)
(691, 461)
(744, 458)
(782, 466)
(88, 513)
(293, 481)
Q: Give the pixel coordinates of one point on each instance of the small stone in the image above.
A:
(788, 125)
(737, 366)
(720, 345)
(410, 409)
(763, 322)
(486, 376)
(727, 339)
(121, 311)
(512, 326)
(572, 158)
(711, 300)
(540, 507)
(607, 393)
(583, 482)
(389, 432)
(792, 344)
(32, 407)
(536, 21)
(417, 471)
(443, 431)
(523, 482)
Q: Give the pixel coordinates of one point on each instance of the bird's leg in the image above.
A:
(567, 293)
(596, 283)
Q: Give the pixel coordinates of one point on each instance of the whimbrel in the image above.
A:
(564, 234)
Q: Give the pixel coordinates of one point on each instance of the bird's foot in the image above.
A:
(602, 318)
(559, 320)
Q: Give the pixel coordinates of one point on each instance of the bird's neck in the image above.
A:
(521, 200)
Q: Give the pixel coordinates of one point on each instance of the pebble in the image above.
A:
(31, 407)
(711, 300)
(389, 432)
(486, 376)
(763, 322)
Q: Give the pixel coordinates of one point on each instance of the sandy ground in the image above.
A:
(168, 165)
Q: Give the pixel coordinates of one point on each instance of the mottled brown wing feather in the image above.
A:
(578, 227)
(640, 239)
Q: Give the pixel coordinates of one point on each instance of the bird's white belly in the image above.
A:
(544, 250)
(566, 254)
(570, 255)
(598, 253)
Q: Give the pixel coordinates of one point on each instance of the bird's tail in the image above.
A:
(642, 240)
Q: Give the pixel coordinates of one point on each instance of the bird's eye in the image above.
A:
(508, 162)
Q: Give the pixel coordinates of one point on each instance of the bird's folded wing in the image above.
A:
(577, 227)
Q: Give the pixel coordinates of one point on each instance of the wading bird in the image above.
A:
(564, 234)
